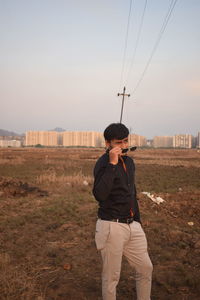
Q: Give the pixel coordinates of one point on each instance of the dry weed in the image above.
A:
(12, 161)
(71, 180)
(15, 283)
(4, 260)
(171, 163)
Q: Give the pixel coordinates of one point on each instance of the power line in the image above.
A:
(137, 41)
(164, 25)
(126, 43)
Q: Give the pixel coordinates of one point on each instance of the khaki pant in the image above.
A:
(114, 240)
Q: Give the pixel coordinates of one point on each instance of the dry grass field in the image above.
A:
(48, 216)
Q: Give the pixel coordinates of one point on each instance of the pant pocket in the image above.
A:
(102, 233)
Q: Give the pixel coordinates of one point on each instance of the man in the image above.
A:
(118, 228)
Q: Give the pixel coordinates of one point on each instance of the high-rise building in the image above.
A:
(44, 138)
(83, 138)
(10, 143)
(137, 140)
(163, 141)
(66, 138)
(182, 141)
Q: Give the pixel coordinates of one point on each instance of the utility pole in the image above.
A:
(123, 94)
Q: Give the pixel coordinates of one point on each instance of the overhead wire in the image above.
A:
(137, 42)
(126, 44)
(162, 30)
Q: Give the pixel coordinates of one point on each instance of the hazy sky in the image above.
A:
(61, 63)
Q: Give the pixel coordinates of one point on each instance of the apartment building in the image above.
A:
(66, 138)
(83, 138)
(182, 141)
(45, 138)
(10, 143)
(163, 141)
(137, 140)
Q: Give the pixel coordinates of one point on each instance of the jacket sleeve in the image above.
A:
(103, 180)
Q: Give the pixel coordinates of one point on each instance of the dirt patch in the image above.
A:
(47, 247)
(10, 187)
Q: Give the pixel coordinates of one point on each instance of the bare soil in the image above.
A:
(48, 216)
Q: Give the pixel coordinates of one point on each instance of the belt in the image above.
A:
(123, 220)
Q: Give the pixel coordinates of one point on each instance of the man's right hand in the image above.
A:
(114, 155)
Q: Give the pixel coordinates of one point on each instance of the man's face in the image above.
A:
(123, 144)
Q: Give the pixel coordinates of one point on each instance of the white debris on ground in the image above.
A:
(157, 200)
(190, 223)
(85, 182)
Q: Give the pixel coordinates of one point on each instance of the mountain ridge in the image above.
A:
(4, 132)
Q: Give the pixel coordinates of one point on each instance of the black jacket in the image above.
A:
(114, 189)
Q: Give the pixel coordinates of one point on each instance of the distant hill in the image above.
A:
(4, 132)
(58, 129)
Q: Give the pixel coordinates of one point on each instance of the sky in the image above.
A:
(63, 62)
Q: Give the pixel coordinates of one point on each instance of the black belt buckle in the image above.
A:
(129, 220)
(126, 221)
